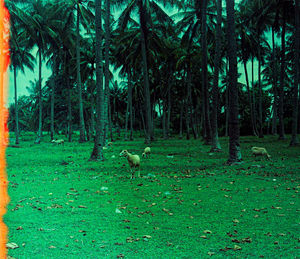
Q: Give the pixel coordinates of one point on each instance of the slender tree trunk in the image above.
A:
(110, 122)
(126, 117)
(16, 107)
(53, 99)
(181, 121)
(97, 153)
(261, 134)
(106, 71)
(207, 124)
(294, 139)
(149, 130)
(253, 95)
(168, 111)
(81, 117)
(249, 98)
(226, 101)
(130, 107)
(164, 120)
(38, 140)
(282, 78)
(216, 147)
(92, 118)
(234, 131)
(70, 130)
(275, 95)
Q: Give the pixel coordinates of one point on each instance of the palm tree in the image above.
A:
(295, 140)
(204, 72)
(233, 123)
(106, 69)
(20, 58)
(214, 122)
(38, 24)
(145, 10)
(97, 153)
(80, 102)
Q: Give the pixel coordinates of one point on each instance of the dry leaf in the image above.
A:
(12, 246)
(207, 231)
(236, 247)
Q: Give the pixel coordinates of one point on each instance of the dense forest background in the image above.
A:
(178, 72)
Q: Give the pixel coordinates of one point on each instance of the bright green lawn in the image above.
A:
(63, 206)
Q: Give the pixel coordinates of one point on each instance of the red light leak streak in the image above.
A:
(4, 62)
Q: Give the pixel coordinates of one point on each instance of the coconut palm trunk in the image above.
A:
(233, 105)
(55, 68)
(39, 136)
(260, 133)
(282, 78)
(81, 117)
(215, 147)
(274, 86)
(295, 140)
(97, 153)
(69, 107)
(207, 125)
(106, 69)
(130, 107)
(253, 95)
(16, 107)
(148, 120)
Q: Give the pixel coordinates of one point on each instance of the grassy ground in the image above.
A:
(188, 206)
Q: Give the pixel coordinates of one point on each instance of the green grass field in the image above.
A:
(188, 206)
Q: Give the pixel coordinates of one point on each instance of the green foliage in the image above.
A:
(187, 205)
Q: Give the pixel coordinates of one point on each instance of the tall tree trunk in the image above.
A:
(234, 131)
(275, 95)
(226, 99)
(188, 101)
(126, 118)
(130, 107)
(53, 99)
(282, 78)
(181, 121)
(168, 111)
(16, 107)
(70, 130)
(38, 140)
(81, 117)
(215, 147)
(92, 117)
(97, 153)
(149, 129)
(249, 98)
(261, 134)
(207, 124)
(106, 71)
(110, 122)
(253, 95)
(294, 139)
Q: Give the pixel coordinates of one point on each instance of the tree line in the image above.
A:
(179, 72)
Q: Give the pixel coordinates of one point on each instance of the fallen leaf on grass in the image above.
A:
(12, 246)
(82, 206)
(207, 231)
(235, 221)
(51, 247)
(120, 256)
(236, 247)
(147, 236)
(210, 253)
(169, 244)
(203, 236)
(19, 228)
